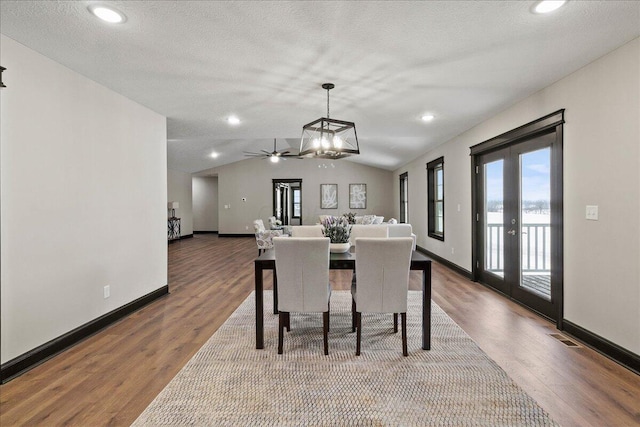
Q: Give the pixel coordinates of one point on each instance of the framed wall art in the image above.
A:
(357, 196)
(328, 196)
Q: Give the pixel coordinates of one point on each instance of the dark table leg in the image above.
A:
(275, 292)
(426, 307)
(259, 307)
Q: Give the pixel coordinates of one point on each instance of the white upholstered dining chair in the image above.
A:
(306, 231)
(302, 269)
(382, 270)
(359, 230)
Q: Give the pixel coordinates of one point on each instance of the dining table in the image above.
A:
(339, 261)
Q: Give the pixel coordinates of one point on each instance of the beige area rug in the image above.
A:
(230, 383)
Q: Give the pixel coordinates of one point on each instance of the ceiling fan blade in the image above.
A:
(266, 152)
(249, 154)
(282, 153)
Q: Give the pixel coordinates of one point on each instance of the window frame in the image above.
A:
(293, 202)
(404, 198)
(432, 183)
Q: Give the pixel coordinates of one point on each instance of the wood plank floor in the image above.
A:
(111, 377)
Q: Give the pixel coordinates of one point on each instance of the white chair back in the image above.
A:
(302, 266)
(306, 231)
(382, 270)
(399, 230)
(402, 230)
(359, 230)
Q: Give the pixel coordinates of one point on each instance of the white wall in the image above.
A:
(179, 190)
(252, 179)
(205, 203)
(601, 167)
(83, 181)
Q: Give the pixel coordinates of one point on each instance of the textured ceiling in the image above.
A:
(197, 62)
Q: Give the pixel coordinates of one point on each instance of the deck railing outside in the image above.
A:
(536, 248)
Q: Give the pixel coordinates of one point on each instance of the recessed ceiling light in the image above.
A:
(233, 120)
(547, 6)
(427, 117)
(108, 14)
(214, 155)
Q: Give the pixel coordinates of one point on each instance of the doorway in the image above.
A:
(287, 201)
(518, 215)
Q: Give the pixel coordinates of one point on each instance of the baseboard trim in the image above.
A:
(236, 235)
(613, 351)
(46, 351)
(205, 232)
(461, 271)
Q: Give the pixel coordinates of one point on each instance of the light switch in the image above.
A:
(592, 213)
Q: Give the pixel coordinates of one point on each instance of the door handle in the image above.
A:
(512, 232)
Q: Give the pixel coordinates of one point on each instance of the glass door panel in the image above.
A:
(535, 222)
(494, 217)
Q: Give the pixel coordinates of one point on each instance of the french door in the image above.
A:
(518, 230)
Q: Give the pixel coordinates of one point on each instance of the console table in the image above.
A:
(173, 225)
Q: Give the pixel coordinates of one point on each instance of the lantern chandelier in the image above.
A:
(328, 138)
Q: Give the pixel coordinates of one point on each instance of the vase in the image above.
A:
(338, 248)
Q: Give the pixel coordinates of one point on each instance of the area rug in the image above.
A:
(230, 383)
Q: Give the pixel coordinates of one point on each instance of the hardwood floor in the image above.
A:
(109, 378)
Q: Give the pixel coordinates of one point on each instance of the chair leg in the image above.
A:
(353, 315)
(395, 323)
(281, 323)
(359, 332)
(404, 334)
(288, 321)
(325, 331)
(275, 292)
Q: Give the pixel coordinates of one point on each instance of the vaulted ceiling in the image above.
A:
(199, 62)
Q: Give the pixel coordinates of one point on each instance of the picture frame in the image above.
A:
(328, 196)
(357, 196)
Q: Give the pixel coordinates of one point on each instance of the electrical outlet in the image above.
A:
(453, 251)
(106, 292)
(246, 227)
(592, 213)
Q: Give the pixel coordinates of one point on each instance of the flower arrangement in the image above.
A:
(337, 229)
(351, 217)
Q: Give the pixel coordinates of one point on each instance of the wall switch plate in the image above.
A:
(106, 292)
(592, 213)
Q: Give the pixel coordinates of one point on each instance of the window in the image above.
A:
(404, 198)
(435, 177)
(296, 203)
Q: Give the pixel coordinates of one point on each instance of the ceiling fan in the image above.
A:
(274, 156)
